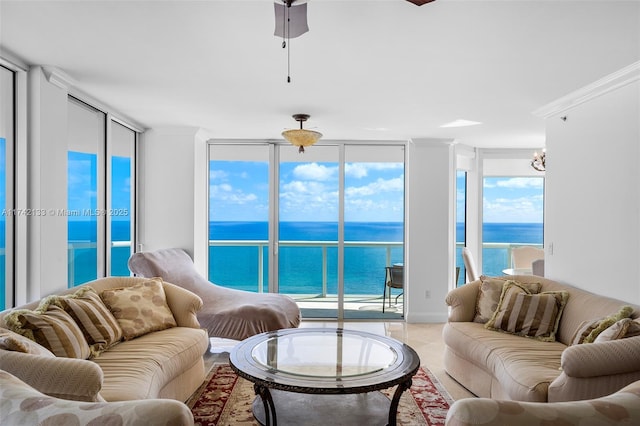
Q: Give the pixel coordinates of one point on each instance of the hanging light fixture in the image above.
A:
(301, 137)
(538, 161)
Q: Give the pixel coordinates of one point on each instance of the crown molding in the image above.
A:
(613, 81)
(58, 78)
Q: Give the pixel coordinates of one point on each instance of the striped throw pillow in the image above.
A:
(51, 327)
(529, 315)
(99, 326)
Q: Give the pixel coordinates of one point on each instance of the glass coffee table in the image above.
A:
(321, 376)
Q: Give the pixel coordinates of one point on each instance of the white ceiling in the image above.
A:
(367, 69)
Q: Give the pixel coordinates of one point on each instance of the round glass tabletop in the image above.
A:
(324, 360)
(317, 353)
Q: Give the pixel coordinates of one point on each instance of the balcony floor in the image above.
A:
(359, 307)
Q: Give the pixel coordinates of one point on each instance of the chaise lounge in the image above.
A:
(227, 313)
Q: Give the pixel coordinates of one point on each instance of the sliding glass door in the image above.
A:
(239, 216)
(373, 229)
(308, 228)
(321, 226)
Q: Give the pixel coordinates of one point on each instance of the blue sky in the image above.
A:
(82, 184)
(513, 199)
(374, 191)
(308, 191)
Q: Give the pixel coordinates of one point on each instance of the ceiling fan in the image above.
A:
(291, 17)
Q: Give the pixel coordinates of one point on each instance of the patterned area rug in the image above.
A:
(224, 399)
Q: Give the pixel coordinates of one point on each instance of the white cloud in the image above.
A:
(217, 175)
(314, 171)
(518, 183)
(506, 210)
(225, 193)
(360, 170)
(380, 185)
(299, 198)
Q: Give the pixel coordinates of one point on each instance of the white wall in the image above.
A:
(430, 247)
(167, 188)
(592, 190)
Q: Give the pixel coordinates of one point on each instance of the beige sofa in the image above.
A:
(166, 363)
(501, 365)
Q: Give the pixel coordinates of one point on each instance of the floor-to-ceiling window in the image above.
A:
(85, 162)
(239, 216)
(461, 224)
(7, 141)
(308, 212)
(100, 191)
(121, 197)
(333, 218)
(512, 216)
(373, 228)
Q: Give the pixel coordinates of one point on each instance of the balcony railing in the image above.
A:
(496, 256)
(387, 246)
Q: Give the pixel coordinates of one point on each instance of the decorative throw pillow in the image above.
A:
(624, 312)
(140, 309)
(489, 296)
(529, 315)
(10, 341)
(584, 329)
(51, 327)
(624, 328)
(99, 326)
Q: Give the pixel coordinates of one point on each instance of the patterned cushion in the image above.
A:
(10, 341)
(99, 326)
(584, 329)
(624, 312)
(51, 327)
(528, 315)
(622, 329)
(489, 296)
(140, 308)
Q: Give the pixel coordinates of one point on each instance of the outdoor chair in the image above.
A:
(227, 313)
(522, 257)
(394, 278)
(469, 265)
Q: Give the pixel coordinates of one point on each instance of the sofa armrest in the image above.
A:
(622, 406)
(462, 301)
(602, 359)
(184, 305)
(21, 404)
(66, 378)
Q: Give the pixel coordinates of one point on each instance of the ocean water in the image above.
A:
(301, 267)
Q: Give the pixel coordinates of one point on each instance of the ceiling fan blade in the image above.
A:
(420, 2)
(297, 20)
